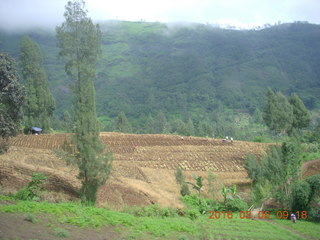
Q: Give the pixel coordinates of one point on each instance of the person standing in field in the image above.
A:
(293, 218)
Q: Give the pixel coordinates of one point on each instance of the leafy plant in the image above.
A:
(199, 183)
(33, 189)
(30, 218)
(185, 190)
(61, 232)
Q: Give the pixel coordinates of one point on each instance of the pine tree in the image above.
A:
(161, 123)
(278, 114)
(301, 115)
(79, 41)
(67, 120)
(11, 100)
(150, 125)
(122, 123)
(40, 104)
(190, 128)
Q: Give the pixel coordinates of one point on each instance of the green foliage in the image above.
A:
(301, 115)
(122, 124)
(281, 115)
(300, 195)
(11, 100)
(158, 227)
(185, 189)
(33, 189)
(179, 176)
(61, 232)
(152, 211)
(278, 114)
(30, 218)
(68, 123)
(253, 168)
(314, 183)
(236, 205)
(195, 72)
(211, 179)
(40, 104)
(79, 41)
(201, 205)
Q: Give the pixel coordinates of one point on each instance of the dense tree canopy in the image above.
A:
(11, 100)
(281, 115)
(40, 104)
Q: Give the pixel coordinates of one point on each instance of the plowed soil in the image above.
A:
(143, 166)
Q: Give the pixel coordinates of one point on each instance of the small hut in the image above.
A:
(36, 130)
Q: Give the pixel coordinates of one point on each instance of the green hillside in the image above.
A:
(196, 71)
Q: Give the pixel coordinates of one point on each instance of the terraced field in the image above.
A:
(143, 166)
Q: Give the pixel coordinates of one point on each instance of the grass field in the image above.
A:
(143, 175)
(129, 226)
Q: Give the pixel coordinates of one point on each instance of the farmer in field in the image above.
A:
(293, 218)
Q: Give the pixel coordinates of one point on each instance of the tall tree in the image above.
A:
(278, 114)
(11, 100)
(40, 104)
(79, 41)
(190, 128)
(161, 123)
(122, 123)
(301, 115)
(150, 124)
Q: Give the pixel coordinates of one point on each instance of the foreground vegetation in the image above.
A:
(164, 223)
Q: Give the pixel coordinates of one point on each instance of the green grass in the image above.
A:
(309, 228)
(61, 232)
(164, 227)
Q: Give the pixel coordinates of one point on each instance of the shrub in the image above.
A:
(314, 183)
(30, 218)
(33, 189)
(185, 190)
(192, 213)
(300, 195)
(4, 147)
(61, 232)
(183, 237)
(152, 211)
(236, 205)
(314, 214)
(201, 205)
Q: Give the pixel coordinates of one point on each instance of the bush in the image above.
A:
(152, 211)
(4, 147)
(236, 205)
(192, 214)
(185, 190)
(30, 218)
(33, 189)
(300, 195)
(201, 205)
(61, 232)
(314, 214)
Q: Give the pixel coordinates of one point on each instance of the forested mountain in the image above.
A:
(188, 72)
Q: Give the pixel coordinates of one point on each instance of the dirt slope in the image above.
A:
(143, 166)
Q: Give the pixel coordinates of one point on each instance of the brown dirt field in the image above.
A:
(143, 166)
(310, 168)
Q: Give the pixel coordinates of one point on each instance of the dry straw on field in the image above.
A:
(142, 163)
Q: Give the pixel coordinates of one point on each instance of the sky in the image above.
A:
(23, 14)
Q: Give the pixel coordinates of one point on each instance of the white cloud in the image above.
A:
(26, 13)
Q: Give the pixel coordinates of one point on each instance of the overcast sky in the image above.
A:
(21, 14)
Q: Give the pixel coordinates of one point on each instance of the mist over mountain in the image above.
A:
(189, 70)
